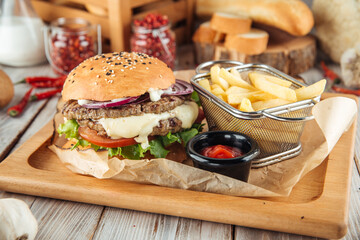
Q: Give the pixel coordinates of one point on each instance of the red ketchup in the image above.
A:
(221, 151)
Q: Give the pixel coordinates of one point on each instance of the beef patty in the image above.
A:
(86, 117)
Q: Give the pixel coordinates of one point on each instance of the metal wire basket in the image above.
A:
(277, 130)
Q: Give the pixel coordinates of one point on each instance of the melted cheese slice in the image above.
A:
(140, 127)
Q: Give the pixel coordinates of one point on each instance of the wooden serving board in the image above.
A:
(317, 206)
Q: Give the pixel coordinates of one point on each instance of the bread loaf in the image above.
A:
(230, 23)
(292, 16)
(252, 42)
(204, 34)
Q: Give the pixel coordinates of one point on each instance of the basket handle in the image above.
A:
(289, 119)
(210, 63)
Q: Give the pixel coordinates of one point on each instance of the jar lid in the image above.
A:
(146, 30)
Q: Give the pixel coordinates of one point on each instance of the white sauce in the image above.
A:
(83, 102)
(21, 41)
(155, 94)
(141, 126)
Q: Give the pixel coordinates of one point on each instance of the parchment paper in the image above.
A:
(333, 116)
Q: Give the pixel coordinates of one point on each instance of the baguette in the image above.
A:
(292, 16)
(253, 42)
(230, 23)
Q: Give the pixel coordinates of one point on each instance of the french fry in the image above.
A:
(215, 77)
(276, 90)
(265, 91)
(218, 91)
(221, 97)
(261, 96)
(235, 72)
(205, 84)
(234, 80)
(245, 105)
(236, 98)
(213, 86)
(236, 89)
(279, 81)
(311, 91)
(272, 79)
(260, 105)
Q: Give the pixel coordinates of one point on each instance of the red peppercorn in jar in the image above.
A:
(153, 36)
(69, 41)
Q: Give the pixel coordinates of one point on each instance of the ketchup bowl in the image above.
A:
(237, 167)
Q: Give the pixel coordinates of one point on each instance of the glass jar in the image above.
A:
(21, 41)
(157, 42)
(69, 41)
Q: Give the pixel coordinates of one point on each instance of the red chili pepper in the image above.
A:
(329, 73)
(16, 110)
(44, 95)
(48, 84)
(346, 90)
(31, 80)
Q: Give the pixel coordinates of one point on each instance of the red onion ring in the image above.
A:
(179, 88)
(109, 104)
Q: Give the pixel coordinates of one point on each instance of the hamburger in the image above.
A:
(129, 104)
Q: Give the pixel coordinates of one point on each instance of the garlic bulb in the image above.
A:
(16, 220)
(350, 67)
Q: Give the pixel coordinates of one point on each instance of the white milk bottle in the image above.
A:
(21, 36)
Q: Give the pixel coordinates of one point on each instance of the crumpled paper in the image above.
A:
(333, 116)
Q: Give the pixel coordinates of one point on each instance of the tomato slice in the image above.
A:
(200, 116)
(92, 136)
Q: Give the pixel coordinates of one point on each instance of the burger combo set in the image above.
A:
(243, 140)
(139, 131)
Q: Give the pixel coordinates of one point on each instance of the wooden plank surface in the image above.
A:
(206, 230)
(130, 224)
(11, 129)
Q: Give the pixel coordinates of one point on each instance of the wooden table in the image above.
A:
(60, 219)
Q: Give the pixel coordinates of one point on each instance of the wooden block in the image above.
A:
(292, 56)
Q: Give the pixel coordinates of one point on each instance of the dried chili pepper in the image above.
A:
(44, 95)
(31, 80)
(346, 90)
(330, 73)
(49, 84)
(70, 47)
(16, 110)
(152, 35)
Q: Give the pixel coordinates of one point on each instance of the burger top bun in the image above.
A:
(116, 75)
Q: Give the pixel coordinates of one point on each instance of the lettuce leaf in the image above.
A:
(134, 152)
(187, 135)
(156, 148)
(195, 97)
(69, 128)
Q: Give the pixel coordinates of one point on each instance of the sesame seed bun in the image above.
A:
(116, 75)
